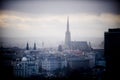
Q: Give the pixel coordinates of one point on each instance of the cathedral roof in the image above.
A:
(81, 45)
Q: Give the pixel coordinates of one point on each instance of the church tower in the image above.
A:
(27, 46)
(67, 36)
(34, 46)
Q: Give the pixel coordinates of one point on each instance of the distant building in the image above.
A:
(75, 45)
(34, 46)
(60, 48)
(99, 57)
(78, 63)
(52, 63)
(80, 45)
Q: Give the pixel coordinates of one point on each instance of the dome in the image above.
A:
(24, 59)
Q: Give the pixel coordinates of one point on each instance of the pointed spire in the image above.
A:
(67, 35)
(68, 23)
(34, 46)
(27, 46)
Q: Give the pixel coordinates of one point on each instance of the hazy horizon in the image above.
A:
(21, 42)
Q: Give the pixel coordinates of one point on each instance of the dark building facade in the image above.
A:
(112, 49)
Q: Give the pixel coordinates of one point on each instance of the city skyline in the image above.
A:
(45, 21)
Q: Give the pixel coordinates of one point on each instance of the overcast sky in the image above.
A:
(45, 20)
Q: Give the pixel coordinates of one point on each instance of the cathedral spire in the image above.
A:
(68, 23)
(67, 35)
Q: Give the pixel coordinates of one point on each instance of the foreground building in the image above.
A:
(25, 67)
(112, 48)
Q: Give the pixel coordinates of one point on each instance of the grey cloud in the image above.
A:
(62, 7)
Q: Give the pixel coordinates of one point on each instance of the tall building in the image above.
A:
(67, 36)
(112, 50)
